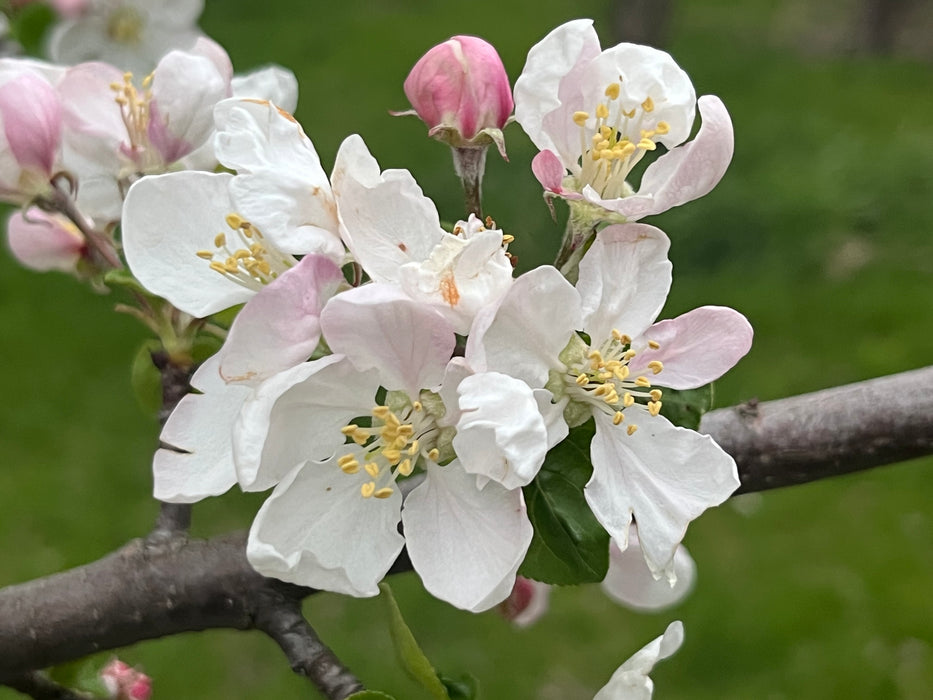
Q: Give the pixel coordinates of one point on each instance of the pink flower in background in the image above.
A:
(124, 682)
(42, 241)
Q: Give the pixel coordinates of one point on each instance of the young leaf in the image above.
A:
(686, 407)
(569, 544)
(145, 378)
(463, 687)
(413, 660)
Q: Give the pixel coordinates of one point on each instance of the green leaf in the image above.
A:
(569, 545)
(686, 407)
(146, 379)
(369, 695)
(413, 660)
(30, 26)
(463, 687)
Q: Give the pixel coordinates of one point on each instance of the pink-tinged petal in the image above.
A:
(465, 543)
(662, 475)
(185, 88)
(631, 681)
(93, 125)
(296, 416)
(385, 219)
(216, 54)
(629, 581)
(378, 327)
(280, 326)
(200, 430)
(543, 88)
(527, 603)
(624, 280)
(276, 84)
(32, 121)
(167, 219)
(317, 530)
(549, 171)
(281, 186)
(500, 434)
(43, 242)
(524, 335)
(696, 348)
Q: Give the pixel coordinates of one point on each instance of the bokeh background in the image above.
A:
(821, 233)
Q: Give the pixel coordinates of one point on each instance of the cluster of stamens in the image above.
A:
(605, 381)
(125, 25)
(252, 262)
(611, 151)
(134, 108)
(390, 448)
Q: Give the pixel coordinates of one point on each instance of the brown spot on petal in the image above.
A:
(449, 290)
(402, 247)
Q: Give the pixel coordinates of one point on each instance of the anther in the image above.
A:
(433, 454)
(631, 429)
(368, 489)
(220, 240)
(655, 394)
(628, 400)
(602, 111)
(205, 255)
(582, 379)
(618, 417)
(380, 412)
(372, 469)
(656, 366)
(405, 467)
(648, 105)
(654, 344)
(416, 406)
(579, 118)
(234, 221)
(612, 92)
(383, 492)
(349, 429)
(654, 407)
(642, 382)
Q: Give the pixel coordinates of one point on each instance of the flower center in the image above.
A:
(251, 261)
(134, 108)
(397, 439)
(125, 25)
(602, 381)
(617, 143)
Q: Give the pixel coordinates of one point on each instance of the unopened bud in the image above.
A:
(527, 602)
(42, 241)
(124, 682)
(461, 91)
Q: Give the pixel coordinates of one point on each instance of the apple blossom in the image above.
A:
(461, 91)
(594, 348)
(132, 34)
(595, 114)
(42, 241)
(394, 232)
(186, 236)
(123, 682)
(332, 519)
(630, 583)
(631, 681)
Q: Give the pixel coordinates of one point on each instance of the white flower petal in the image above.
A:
(631, 681)
(500, 434)
(624, 280)
(696, 348)
(280, 326)
(297, 415)
(630, 582)
(385, 219)
(274, 83)
(166, 220)
(663, 475)
(524, 334)
(378, 326)
(465, 543)
(201, 431)
(317, 530)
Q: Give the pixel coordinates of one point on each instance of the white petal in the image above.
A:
(631, 681)
(166, 220)
(500, 434)
(663, 475)
(624, 280)
(465, 543)
(276, 84)
(548, 84)
(317, 530)
(281, 187)
(524, 335)
(280, 326)
(377, 326)
(385, 219)
(696, 348)
(201, 430)
(296, 416)
(630, 582)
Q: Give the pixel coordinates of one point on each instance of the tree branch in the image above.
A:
(144, 591)
(40, 687)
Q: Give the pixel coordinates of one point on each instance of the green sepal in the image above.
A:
(122, 277)
(569, 545)
(82, 675)
(686, 407)
(146, 379)
(370, 695)
(413, 660)
(463, 687)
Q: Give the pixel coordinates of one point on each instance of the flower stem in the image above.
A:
(470, 163)
(104, 254)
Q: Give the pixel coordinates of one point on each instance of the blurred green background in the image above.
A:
(820, 233)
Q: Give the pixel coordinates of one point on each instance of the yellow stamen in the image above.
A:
(642, 382)
(618, 417)
(434, 454)
(628, 400)
(655, 394)
(205, 255)
(405, 467)
(602, 111)
(380, 412)
(582, 379)
(368, 489)
(648, 105)
(220, 240)
(579, 118)
(372, 469)
(654, 407)
(662, 128)
(612, 92)
(383, 492)
(235, 221)
(656, 366)
(654, 344)
(416, 406)
(631, 429)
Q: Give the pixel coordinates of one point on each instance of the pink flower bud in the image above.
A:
(460, 90)
(41, 241)
(124, 682)
(527, 602)
(32, 121)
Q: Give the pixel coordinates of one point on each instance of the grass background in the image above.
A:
(820, 233)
